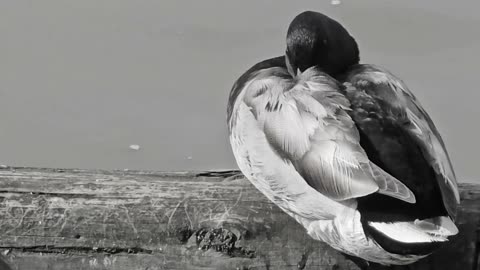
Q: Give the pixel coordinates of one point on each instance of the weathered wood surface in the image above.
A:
(79, 219)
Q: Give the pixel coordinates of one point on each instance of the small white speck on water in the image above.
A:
(335, 2)
(135, 147)
(189, 157)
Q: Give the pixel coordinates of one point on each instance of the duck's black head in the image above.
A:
(314, 39)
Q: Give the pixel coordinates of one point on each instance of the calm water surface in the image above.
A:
(80, 81)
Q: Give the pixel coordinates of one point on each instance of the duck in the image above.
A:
(344, 148)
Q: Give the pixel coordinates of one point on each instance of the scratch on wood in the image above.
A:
(107, 261)
(153, 204)
(174, 211)
(81, 221)
(65, 218)
(105, 214)
(44, 208)
(303, 260)
(224, 217)
(153, 214)
(185, 207)
(20, 222)
(40, 229)
(130, 222)
(93, 262)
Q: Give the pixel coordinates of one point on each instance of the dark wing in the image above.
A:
(399, 136)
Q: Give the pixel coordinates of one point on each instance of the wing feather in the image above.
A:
(418, 123)
(390, 186)
(292, 141)
(305, 121)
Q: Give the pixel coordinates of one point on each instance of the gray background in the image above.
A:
(82, 80)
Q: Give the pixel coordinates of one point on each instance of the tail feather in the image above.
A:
(436, 229)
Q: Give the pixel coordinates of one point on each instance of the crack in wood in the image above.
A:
(75, 219)
(51, 194)
(224, 174)
(77, 249)
(303, 260)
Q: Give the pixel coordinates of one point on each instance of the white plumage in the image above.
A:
(296, 134)
(303, 136)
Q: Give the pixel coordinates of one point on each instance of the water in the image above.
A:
(82, 81)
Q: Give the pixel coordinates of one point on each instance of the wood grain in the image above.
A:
(85, 219)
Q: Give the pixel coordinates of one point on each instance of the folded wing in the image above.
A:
(394, 97)
(305, 121)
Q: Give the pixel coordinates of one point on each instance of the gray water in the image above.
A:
(80, 81)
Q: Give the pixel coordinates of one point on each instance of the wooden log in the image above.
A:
(81, 219)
